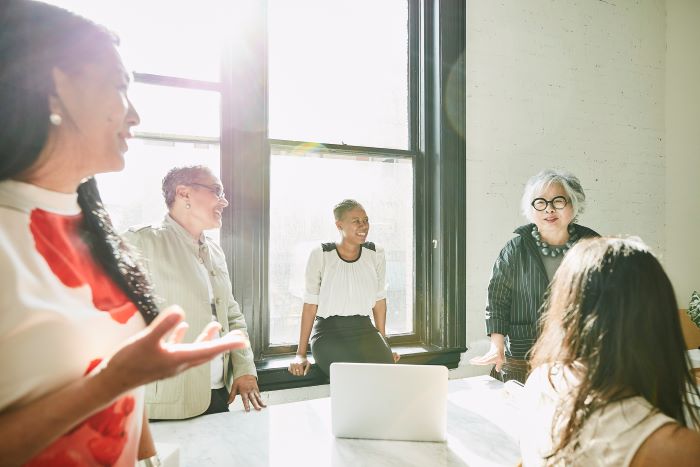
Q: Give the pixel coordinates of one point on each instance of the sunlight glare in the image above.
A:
(180, 39)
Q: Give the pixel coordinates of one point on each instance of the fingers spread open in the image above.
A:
(196, 353)
(165, 322)
(232, 395)
(256, 400)
(178, 333)
(210, 331)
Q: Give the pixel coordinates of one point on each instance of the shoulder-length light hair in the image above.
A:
(540, 182)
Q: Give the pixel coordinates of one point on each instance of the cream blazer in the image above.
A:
(173, 261)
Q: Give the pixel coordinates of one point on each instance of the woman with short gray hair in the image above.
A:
(188, 268)
(552, 201)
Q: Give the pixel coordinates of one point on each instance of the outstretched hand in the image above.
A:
(149, 356)
(494, 356)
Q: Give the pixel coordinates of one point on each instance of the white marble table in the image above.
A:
(480, 426)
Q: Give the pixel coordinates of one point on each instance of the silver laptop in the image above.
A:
(396, 402)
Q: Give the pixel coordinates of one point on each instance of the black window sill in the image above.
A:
(273, 374)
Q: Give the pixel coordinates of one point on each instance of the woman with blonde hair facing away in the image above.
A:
(611, 384)
(345, 283)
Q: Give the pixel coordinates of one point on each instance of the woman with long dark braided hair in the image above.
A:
(79, 330)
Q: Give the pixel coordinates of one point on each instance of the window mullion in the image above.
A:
(176, 82)
(245, 162)
(444, 35)
(452, 188)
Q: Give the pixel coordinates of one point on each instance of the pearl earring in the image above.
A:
(55, 119)
(188, 205)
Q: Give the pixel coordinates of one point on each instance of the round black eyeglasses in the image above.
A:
(558, 203)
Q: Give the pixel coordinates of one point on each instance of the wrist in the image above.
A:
(153, 461)
(102, 389)
(498, 339)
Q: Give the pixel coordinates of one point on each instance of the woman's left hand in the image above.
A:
(247, 387)
(396, 356)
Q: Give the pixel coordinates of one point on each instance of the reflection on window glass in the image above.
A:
(338, 71)
(163, 37)
(133, 196)
(304, 188)
(176, 111)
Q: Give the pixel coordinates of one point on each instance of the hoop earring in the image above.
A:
(55, 119)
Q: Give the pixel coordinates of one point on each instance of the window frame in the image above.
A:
(269, 350)
(437, 44)
(437, 40)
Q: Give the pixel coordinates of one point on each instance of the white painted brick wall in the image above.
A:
(571, 84)
(682, 252)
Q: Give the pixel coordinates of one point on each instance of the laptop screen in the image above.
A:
(395, 402)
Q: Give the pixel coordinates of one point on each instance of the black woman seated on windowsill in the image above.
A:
(345, 283)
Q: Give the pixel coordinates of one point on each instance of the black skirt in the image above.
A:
(347, 339)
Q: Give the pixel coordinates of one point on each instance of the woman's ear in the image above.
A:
(63, 88)
(339, 225)
(60, 82)
(182, 192)
(55, 107)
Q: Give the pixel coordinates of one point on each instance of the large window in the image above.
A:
(298, 104)
(303, 188)
(331, 84)
(174, 51)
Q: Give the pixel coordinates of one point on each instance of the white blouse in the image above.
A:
(345, 288)
(61, 317)
(610, 437)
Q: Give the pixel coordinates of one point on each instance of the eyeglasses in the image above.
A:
(218, 190)
(558, 203)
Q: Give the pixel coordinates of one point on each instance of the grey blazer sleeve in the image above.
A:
(500, 293)
(242, 359)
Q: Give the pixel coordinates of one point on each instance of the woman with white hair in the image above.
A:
(552, 201)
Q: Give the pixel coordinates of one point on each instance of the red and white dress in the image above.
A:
(60, 316)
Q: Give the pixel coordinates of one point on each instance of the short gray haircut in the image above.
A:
(540, 182)
(344, 206)
(181, 176)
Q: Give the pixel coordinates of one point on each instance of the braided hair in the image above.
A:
(35, 38)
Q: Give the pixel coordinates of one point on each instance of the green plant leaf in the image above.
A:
(694, 308)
